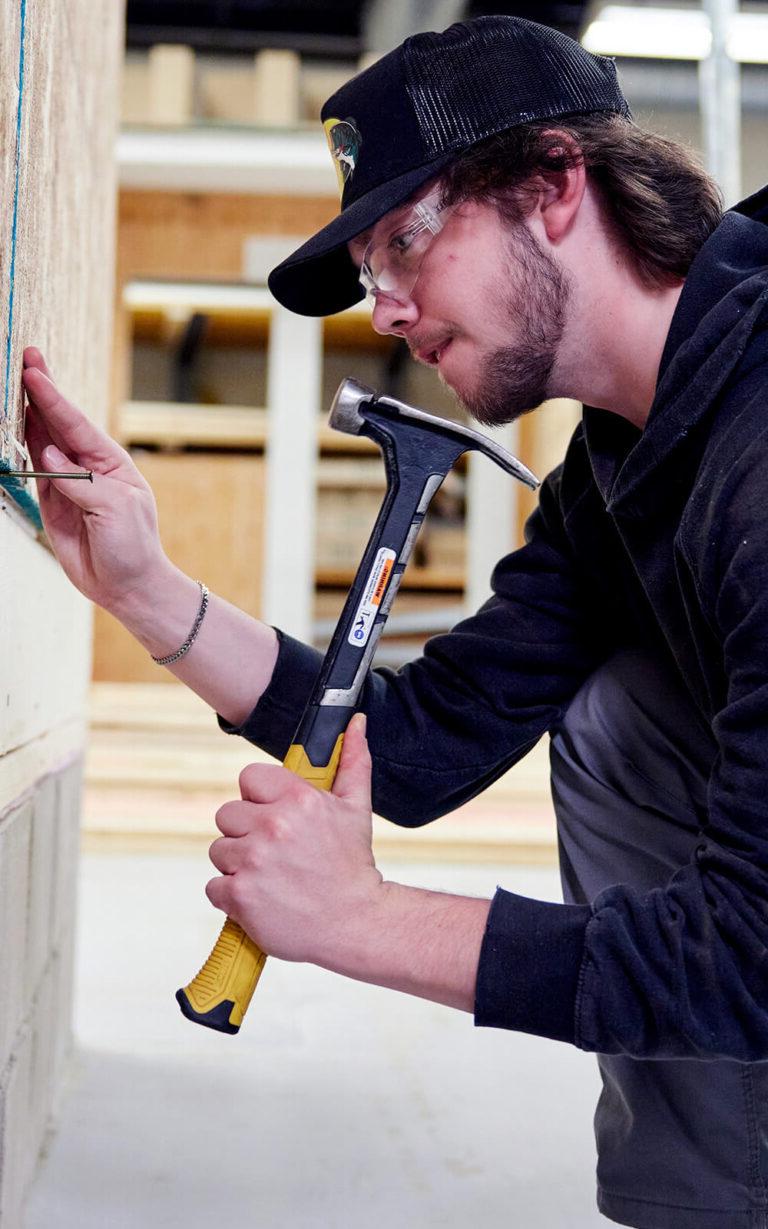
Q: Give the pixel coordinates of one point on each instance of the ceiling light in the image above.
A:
(673, 34)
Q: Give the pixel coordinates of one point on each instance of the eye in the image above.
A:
(400, 242)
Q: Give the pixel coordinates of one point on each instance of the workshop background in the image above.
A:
(143, 276)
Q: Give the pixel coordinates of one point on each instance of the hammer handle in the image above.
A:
(219, 995)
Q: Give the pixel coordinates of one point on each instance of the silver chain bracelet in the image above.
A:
(166, 661)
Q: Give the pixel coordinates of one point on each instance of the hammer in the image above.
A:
(419, 451)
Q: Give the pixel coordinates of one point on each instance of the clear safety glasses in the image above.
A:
(391, 262)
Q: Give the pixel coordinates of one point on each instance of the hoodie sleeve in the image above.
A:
(445, 726)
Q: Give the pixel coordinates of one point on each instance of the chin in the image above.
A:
(464, 392)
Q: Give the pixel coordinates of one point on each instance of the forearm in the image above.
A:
(419, 942)
(233, 656)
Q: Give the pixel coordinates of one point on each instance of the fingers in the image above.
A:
(353, 779)
(37, 439)
(217, 891)
(33, 357)
(223, 855)
(267, 783)
(86, 495)
(235, 818)
(67, 426)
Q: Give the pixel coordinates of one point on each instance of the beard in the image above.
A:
(518, 377)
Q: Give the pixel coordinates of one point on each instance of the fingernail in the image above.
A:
(53, 457)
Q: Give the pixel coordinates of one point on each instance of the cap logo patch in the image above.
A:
(344, 142)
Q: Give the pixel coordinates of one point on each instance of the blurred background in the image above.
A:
(222, 398)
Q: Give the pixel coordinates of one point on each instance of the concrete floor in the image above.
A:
(338, 1106)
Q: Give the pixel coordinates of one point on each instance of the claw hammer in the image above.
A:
(419, 451)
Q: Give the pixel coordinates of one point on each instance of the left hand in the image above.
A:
(297, 868)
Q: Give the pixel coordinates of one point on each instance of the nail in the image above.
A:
(45, 473)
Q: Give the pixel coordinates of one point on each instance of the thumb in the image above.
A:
(81, 493)
(353, 779)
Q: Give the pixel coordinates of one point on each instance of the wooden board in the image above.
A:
(210, 509)
(57, 186)
(201, 235)
(158, 768)
(59, 63)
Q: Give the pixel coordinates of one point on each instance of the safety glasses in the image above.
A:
(392, 261)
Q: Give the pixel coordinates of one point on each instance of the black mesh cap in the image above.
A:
(398, 124)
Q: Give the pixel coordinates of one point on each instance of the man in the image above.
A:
(513, 225)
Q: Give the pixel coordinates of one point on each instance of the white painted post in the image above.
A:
(293, 401)
(491, 517)
(720, 102)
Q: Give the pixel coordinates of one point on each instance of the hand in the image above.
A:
(104, 533)
(297, 869)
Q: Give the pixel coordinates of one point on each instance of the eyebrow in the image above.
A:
(363, 239)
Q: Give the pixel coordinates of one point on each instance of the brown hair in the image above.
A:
(662, 204)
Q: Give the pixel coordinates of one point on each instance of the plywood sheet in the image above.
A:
(59, 67)
(210, 509)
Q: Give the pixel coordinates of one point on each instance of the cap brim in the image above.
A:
(319, 278)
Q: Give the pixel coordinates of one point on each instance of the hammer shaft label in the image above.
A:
(375, 588)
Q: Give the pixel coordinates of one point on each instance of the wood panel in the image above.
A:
(544, 438)
(210, 509)
(57, 215)
(186, 236)
(158, 768)
(59, 63)
(201, 235)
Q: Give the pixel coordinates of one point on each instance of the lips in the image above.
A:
(432, 353)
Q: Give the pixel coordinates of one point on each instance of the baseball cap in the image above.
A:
(395, 126)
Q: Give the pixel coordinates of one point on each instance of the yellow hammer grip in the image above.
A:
(219, 995)
(322, 776)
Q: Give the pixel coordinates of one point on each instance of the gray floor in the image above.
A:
(338, 1106)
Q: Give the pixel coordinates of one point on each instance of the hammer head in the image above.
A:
(359, 410)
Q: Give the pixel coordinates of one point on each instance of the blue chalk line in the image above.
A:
(16, 488)
(13, 486)
(15, 210)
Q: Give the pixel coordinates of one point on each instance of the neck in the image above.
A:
(623, 343)
(617, 325)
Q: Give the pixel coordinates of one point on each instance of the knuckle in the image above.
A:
(276, 826)
(238, 893)
(250, 853)
(300, 793)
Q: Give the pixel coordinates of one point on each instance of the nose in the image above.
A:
(393, 315)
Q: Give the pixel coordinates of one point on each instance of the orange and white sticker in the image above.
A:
(375, 588)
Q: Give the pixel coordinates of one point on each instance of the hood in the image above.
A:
(723, 301)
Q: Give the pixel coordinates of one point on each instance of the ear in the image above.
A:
(561, 191)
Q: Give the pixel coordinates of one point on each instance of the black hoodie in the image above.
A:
(656, 540)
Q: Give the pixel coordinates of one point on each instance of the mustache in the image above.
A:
(428, 341)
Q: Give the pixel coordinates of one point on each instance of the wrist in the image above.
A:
(160, 609)
(345, 943)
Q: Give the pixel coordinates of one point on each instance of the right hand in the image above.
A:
(104, 533)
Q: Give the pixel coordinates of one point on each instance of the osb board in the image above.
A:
(210, 509)
(59, 75)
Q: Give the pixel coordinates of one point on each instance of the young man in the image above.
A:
(514, 226)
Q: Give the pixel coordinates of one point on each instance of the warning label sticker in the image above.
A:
(375, 588)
